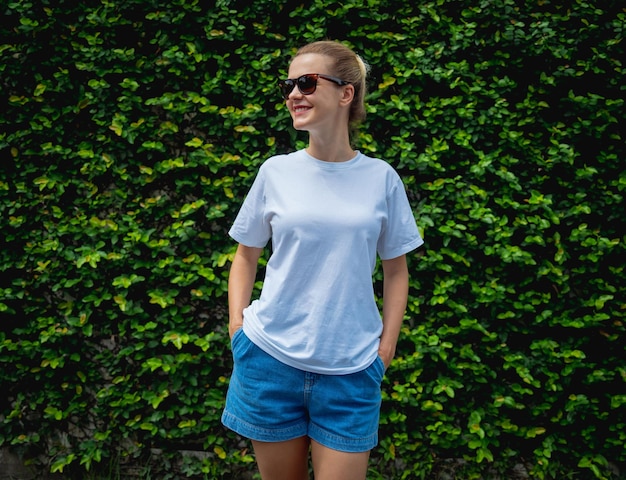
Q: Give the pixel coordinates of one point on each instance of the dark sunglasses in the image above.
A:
(306, 83)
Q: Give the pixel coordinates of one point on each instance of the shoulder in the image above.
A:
(283, 159)
(381, 169)
(280, 163)
(279, 170)
(378, 163)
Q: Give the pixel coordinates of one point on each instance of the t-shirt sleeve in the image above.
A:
(399, 233)
(251, 227)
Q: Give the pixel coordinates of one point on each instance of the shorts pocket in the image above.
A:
(381, 363)
(239, 343)
(377, 369)
(236, 335)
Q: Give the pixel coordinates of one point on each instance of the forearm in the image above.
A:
(395, 294)
(240, 284)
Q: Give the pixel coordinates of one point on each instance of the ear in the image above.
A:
(347, 95)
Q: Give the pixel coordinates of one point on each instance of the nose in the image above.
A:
(296, 92)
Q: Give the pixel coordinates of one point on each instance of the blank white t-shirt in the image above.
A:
(327, 222)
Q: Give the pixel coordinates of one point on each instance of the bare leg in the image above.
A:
(283, 460)
(331, 464)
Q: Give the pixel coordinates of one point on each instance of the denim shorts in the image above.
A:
(269, 401)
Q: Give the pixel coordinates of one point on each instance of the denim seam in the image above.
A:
(263, 434)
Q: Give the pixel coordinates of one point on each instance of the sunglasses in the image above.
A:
(306, 83)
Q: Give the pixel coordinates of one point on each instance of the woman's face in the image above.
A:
(321, 110)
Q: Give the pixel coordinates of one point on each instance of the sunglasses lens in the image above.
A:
(307, 84)
(286, 87)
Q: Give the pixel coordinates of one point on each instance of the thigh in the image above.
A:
(283, 460)
(329, 464)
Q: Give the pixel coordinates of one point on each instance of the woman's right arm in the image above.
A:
(240, 284)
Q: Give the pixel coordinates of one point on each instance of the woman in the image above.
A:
(310, 354)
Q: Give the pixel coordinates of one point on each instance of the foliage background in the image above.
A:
(130, 132)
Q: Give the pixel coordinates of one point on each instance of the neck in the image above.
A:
(334, 148)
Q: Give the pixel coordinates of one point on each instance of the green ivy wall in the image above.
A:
(129, 135)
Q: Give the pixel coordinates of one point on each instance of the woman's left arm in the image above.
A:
(395, 294)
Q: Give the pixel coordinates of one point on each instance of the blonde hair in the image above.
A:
(349, 67)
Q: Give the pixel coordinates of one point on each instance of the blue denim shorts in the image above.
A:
(269, 401)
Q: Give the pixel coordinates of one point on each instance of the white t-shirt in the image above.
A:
(327, 221)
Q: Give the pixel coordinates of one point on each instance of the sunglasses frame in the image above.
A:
(287, 86)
